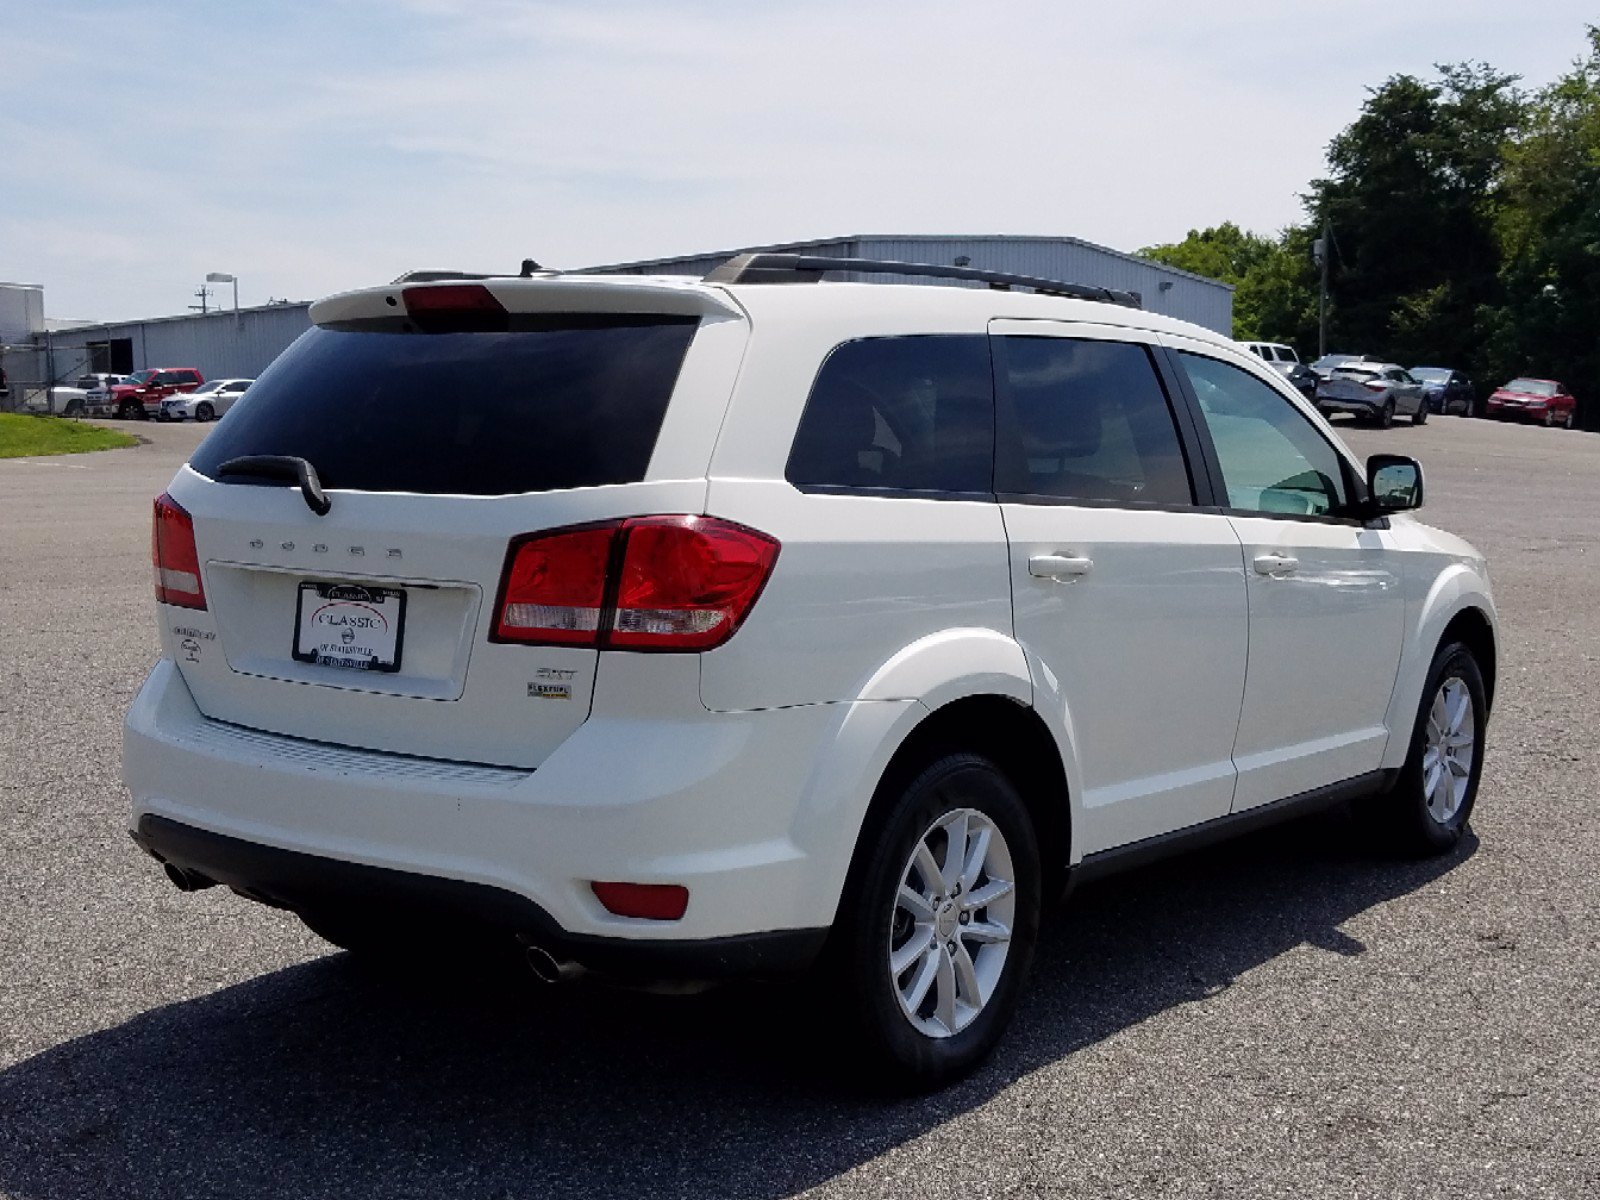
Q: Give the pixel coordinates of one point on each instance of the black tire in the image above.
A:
(1401, 817)
(74, 409)
(1572, 419)
(1550, 418)
(203, 411)
(1386, 414)
(898, 1052)
(130, 410)
(1420, 417)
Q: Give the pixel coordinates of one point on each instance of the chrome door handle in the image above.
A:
(1059, 566)
(1276, 564)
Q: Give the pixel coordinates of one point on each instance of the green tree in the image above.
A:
(1549, 226)
(1271, 277)
(1413, 195)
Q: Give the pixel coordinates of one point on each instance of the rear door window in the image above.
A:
(1087, 419)
(557, 402)
(900, 414)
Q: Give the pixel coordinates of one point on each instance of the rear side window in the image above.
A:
(900, 413)
(561, 402)
(1091, 422)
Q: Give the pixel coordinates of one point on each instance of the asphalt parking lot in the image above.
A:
(1284, 1016)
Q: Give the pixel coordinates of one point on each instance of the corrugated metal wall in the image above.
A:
(218, 344)
(1163, 289)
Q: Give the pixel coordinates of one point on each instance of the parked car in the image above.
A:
(1286, 362)
(143, 392)
(61, 399)
(1328, 363)
(579, 614)
(1536, 399)
(97, 387)
(206, 403)
(1373, 391)
(1444, 390)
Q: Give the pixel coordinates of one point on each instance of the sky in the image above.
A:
(309, 146)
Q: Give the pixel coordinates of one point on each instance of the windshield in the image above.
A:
(140, 376)
(1355, 373)
(208, 387)
(566, 401)
(1430, 374)
(1531, 387)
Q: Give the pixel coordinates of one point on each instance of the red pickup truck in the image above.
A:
(141, 396)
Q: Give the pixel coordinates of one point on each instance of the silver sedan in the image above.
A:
(1374, 391)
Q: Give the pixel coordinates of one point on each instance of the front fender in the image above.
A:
(1458, 587)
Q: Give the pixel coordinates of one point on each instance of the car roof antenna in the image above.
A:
(529, 267)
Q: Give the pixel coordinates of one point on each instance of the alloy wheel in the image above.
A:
(1447, 761)
(951, 928)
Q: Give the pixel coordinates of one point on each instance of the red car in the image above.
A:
(1541, 399)
(141, 396)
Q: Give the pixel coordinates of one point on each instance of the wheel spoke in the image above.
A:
(977, 852)
(1430, 781)
(989, 893)
(955, 849)
(918, 991)
(944, 1000)
(927, 867)
(966, 975)
(916, 946)
(915, 903)
(1460, 705)
(1430, 759)
(1458, 768)
(986, 933)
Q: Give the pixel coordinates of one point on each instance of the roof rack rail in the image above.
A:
(810, 268)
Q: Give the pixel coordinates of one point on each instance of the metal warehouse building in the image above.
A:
(225, 343)
(1163, 289)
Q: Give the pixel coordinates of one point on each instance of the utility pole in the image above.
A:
(204, 295)
(1319, 252)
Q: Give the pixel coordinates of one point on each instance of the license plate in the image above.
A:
(350, 625)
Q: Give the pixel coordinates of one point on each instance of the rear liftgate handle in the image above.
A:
(1063, 568)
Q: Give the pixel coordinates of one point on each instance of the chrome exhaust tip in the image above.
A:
(550, 969)
(187, 881)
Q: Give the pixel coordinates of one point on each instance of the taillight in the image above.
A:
(554, 587)
(174, 557)
(687, 582)
(672, 583)
(1376, 385)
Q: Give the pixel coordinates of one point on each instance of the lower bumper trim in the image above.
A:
(295, 880)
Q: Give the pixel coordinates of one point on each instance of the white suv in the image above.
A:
(689, 628)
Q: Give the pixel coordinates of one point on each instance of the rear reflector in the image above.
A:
(652, 901)
(174, 557)
(455, 308)
(672, 583)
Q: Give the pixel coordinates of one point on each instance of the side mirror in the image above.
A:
(1394, 482)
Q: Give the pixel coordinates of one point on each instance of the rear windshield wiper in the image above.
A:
(282, 466)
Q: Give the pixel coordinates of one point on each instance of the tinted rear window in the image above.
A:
(569, 402)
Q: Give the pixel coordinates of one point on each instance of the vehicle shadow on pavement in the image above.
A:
(328, 1079)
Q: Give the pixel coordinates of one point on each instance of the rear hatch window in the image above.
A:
(556, 402)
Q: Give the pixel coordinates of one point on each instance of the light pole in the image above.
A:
(220, 277)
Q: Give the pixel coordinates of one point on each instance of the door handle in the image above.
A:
(1059, 566)
(1276, 565)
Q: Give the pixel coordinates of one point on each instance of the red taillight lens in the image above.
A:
(647, 583)
(455, 308)
(554, 588)
(652, 901)
(174, 557)
(1376, 385)
(687, 582)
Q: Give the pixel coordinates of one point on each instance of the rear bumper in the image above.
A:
(290, 879)
(713, 802)
(1332, 404)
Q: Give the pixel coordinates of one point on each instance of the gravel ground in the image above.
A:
(1283, 1016)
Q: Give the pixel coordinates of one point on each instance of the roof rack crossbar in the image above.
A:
(810, 268)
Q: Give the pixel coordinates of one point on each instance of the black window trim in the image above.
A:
(1355, 485)
(1007, 430)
